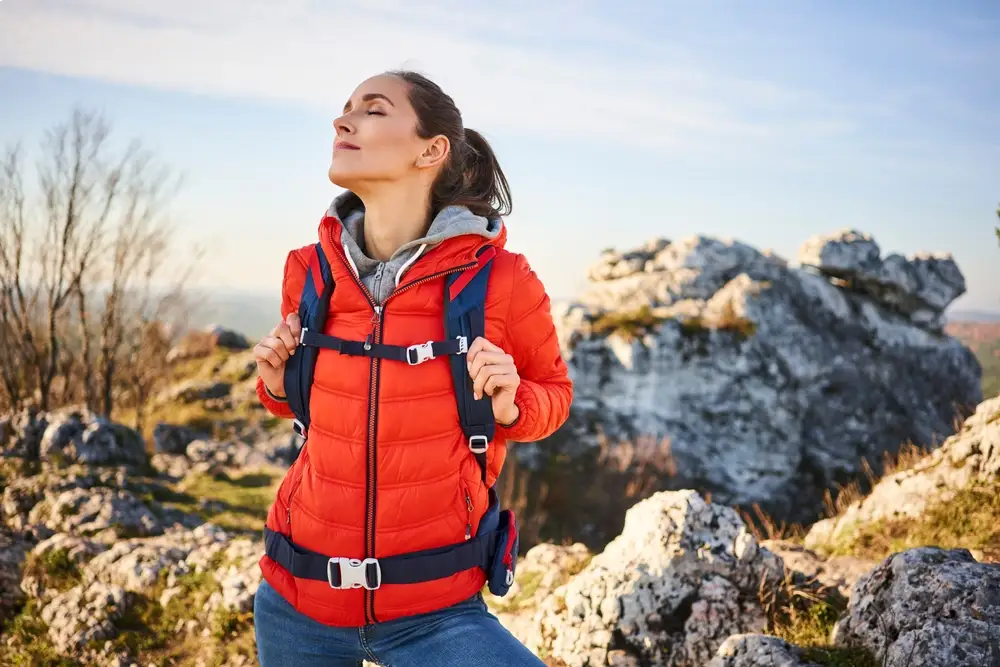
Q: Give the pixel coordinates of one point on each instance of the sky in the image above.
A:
(615, 122)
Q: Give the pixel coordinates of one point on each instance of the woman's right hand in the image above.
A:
(273, 351)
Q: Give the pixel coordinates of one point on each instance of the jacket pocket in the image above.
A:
(296, 483)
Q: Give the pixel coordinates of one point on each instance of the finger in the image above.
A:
(288, 339)
(479, 383)
(294, 324)
(488, 357)
(277, 346)
(265, 355)
(480, 344)
(501, 380)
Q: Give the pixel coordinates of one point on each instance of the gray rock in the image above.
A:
(681, 578)
(770, 383)
(758, 651)
(926, 607)
(839, 572)
(173, 439)
(971, 454)
(101, 512)
(81, 436)
(194, 391)
(12, 553)
(86, 613)
(923, 285)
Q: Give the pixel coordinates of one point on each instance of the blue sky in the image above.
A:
(614, 122)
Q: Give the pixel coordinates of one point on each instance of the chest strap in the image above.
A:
(411, 354)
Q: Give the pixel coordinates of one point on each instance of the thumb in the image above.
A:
(294, 324)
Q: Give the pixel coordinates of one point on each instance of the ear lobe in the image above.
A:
(435, 153)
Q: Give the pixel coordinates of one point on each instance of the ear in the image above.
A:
(435, 152)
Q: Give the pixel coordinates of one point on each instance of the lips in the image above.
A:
(345, 146)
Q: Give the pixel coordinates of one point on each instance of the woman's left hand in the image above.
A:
(493, 373)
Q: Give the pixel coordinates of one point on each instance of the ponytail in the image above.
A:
(472, 176)
(484, 187)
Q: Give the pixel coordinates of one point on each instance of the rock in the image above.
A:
(199, 344)
(924, 607)
(771, 383)
(72, 435)
(921, 286)
(680, 579)
(838, 572)
(12, 552)
(971, 454)
(99, 512)
(758, 651)
(195, 391)
(86, 613)
(173, 439)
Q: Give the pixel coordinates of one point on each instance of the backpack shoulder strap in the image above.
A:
(465, 315)
(314, 304)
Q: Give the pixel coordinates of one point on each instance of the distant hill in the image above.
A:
(983, 338)
(253, 314)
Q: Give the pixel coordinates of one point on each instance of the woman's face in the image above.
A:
(376, 137)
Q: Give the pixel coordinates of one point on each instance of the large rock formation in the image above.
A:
(769, 382)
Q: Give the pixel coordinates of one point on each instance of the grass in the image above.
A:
(803, 614)
(629, 324)
(54, 569)
(244, 499)
(26, 641)
(966, 520)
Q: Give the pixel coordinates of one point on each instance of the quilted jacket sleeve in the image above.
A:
(291, 288)
(545, 393)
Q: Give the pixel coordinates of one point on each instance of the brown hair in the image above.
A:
(472, 176)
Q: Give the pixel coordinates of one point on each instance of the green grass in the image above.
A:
(245, 499)
(631, 325)
(54, 569)
(967, 520)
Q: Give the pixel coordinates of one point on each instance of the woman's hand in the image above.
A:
(493, 373)
(273, 351)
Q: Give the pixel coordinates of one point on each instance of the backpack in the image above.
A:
(494, 547)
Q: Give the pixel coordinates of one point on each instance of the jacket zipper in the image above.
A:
(376, 337)
(468, 507)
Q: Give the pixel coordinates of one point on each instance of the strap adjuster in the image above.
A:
(463, 344)
(419, 353)
(481, 449)
(302, 335)
(353, 573)
(299, 428)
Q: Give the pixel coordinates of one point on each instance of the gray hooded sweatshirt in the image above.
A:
(381, 278)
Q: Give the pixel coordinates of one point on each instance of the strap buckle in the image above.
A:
(302, 335)
(299, 428)
(463, 344)
(481, 449)
(419, 353)
(353, 573)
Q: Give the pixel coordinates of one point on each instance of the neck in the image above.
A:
(393, 217)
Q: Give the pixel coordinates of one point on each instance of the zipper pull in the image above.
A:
(375, 318)
(288, 515)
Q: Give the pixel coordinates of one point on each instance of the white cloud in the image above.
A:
(550, 71)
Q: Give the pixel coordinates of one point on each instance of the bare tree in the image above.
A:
(88, 269)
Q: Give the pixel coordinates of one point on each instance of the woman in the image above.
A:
(388, 470)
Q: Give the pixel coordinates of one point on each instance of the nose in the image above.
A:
(342, 126)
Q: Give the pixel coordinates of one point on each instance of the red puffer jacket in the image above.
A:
(386, 462)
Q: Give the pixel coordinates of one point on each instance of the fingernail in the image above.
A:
(476, 395)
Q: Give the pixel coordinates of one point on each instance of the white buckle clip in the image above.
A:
(478, 438)
(353, 573)
(302, 335)
(463, 344)
(418, 354)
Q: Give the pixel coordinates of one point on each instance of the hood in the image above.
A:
(450, 222)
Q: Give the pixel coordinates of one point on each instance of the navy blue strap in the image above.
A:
(413, 354)
(465, 314)
(411, 568)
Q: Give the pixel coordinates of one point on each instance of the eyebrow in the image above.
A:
(368, 97)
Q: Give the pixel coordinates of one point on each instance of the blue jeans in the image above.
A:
(465, 634)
